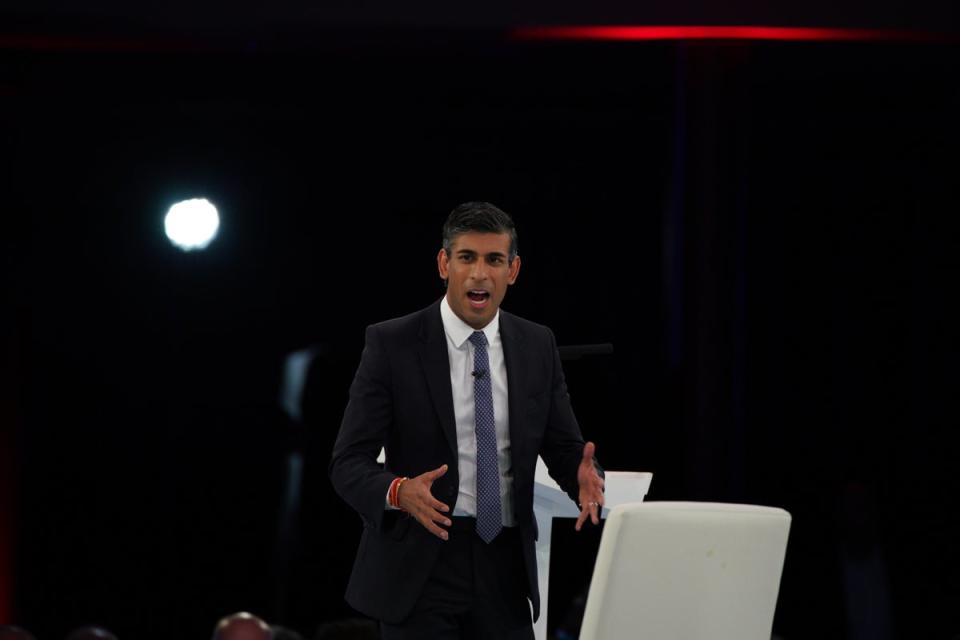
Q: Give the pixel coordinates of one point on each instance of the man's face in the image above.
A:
(478, 272)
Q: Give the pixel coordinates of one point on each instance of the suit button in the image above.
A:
(451, 492)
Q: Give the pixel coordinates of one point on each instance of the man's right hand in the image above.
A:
(415, 498)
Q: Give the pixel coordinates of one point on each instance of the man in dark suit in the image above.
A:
(463, 397)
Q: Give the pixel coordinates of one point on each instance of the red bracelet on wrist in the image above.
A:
(393, 495)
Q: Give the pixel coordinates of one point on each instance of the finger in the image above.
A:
(595, 486)
(430, 519)
(439, 506)
(435, 530)
(588, 450)
(441, 519)
(593, 513)
(580, 519)
(425, 509)
(436, 473)
(598, 484)
(435, 516)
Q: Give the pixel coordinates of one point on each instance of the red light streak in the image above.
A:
(651, 33)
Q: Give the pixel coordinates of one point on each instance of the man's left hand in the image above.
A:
(591, 488)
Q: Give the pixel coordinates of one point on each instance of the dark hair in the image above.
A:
(478, 216)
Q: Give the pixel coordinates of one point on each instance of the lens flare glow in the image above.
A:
(192, 224)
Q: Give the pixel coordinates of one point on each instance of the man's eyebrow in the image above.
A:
(471, 252)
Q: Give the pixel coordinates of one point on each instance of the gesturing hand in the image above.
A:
(591, 488)
(415, 498)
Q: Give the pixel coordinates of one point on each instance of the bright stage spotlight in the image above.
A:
(192, 224)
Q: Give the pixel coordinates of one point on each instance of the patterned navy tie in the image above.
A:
(489, 518)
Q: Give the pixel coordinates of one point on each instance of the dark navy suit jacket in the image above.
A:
(401, 399)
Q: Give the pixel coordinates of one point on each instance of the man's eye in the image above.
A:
(496, 260)
(465, 257)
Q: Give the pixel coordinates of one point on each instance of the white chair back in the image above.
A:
(686, 571)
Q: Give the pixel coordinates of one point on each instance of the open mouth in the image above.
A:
(478, 297)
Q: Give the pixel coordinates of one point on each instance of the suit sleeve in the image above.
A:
(354, 471)
(562, 447)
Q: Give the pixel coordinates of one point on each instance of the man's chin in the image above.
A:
(479, 318)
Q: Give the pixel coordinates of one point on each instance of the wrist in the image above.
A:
(393, 495)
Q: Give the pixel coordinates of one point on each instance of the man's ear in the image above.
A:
(443, 265)
(514, 270)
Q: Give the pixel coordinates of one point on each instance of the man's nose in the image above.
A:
(479, 270)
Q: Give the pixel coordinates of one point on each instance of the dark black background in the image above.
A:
(764, 231)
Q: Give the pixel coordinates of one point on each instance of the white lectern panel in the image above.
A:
(549, 502)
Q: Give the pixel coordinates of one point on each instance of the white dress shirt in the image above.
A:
(460, 351)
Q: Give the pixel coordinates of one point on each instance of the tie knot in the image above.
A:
(478, 338)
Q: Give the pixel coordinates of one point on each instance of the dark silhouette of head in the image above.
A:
(91, 633)
(242, 626)
(9, 632)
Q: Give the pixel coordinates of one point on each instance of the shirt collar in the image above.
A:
(459, 331)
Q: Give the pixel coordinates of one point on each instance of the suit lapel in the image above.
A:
(516, 373)
(436, 366)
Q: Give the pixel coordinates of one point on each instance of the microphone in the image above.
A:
(478, 374)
